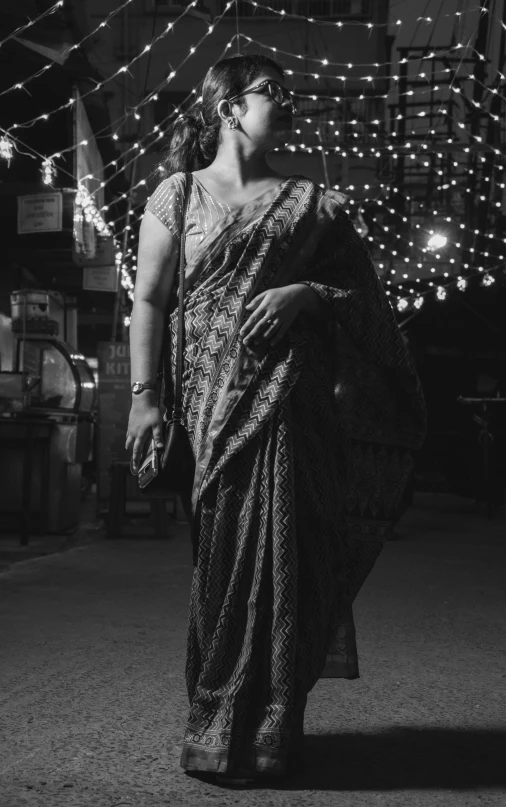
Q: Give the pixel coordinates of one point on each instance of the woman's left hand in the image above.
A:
(273, 312)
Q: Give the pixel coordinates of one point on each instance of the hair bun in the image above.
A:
(195, 116)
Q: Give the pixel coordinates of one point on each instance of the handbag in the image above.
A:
(171, 468)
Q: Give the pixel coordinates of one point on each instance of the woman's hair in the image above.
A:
(194, 136)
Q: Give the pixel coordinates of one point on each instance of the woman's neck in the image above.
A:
(236, 167)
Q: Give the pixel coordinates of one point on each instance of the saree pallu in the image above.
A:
(302, 451)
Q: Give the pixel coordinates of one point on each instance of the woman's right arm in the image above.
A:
(156, 265)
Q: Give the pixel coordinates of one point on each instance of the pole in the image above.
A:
(326, 176)
(237, 32)
(124, 244)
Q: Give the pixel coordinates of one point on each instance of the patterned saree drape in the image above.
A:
(302, 453)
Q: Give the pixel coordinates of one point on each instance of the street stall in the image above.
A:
(47, 417)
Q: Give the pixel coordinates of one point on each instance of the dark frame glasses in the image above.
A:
(278, 93)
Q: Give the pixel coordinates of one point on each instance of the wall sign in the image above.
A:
(114, 399)
(104, 253)
(100, 278)
(41, 213)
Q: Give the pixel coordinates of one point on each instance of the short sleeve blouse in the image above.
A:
(166, 203)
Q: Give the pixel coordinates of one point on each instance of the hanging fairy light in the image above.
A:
(32, 22)
(282, 14)
(6, 149)
(126, 69)
(436, 241)
(85, 203)
(48, 171)
(487, 280)
(20, 85)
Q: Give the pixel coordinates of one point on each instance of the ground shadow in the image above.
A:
(403, 759)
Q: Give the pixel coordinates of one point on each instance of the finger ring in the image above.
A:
(269, 321)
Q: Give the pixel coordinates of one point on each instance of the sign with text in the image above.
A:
(114, 398)
(40, 213)
(103, 255)
(100, 278)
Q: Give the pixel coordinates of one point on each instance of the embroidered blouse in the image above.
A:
(166, 203)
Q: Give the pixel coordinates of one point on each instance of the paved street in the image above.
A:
(93, 694)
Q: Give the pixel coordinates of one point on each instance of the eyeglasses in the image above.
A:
(278, 93)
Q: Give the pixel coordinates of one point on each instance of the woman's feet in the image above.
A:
(240, 778)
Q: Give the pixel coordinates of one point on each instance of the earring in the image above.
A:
(232, 122)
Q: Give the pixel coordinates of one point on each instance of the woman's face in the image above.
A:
(267, 124)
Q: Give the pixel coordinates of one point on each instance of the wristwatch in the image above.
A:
(138, 387)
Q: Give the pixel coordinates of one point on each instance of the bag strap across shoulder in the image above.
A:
(164, 365)
(178, 392)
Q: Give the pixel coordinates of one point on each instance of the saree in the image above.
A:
(303, 450)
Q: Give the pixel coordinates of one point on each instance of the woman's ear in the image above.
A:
(224, 110)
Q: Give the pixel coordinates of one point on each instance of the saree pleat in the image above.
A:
(281, 543)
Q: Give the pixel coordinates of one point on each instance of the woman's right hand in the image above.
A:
(145, 422)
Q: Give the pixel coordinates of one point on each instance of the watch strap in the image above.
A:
(143, 386)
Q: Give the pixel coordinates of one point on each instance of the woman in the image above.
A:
(301, 404)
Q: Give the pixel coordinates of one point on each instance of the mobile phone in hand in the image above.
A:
(149, 466)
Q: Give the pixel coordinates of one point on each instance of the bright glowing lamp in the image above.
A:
(436, 241)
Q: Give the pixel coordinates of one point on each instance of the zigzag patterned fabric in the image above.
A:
(303, 452)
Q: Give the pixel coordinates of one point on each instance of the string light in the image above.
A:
(418, 301)
(29, 24)
(124, 69)
(6, 149)
(358, 152)
(156, 132)
(284, 14)
(347, 65)
(159, 133)
(428, 20)
(121, 269)
(104, 24)
(487, 280)
(136, 147)
(84, 201)
(152, 96)
(448, 219)
(48, 172)
(385, 229)
(460, 284)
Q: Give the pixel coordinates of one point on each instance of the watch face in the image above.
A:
(137, 387)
